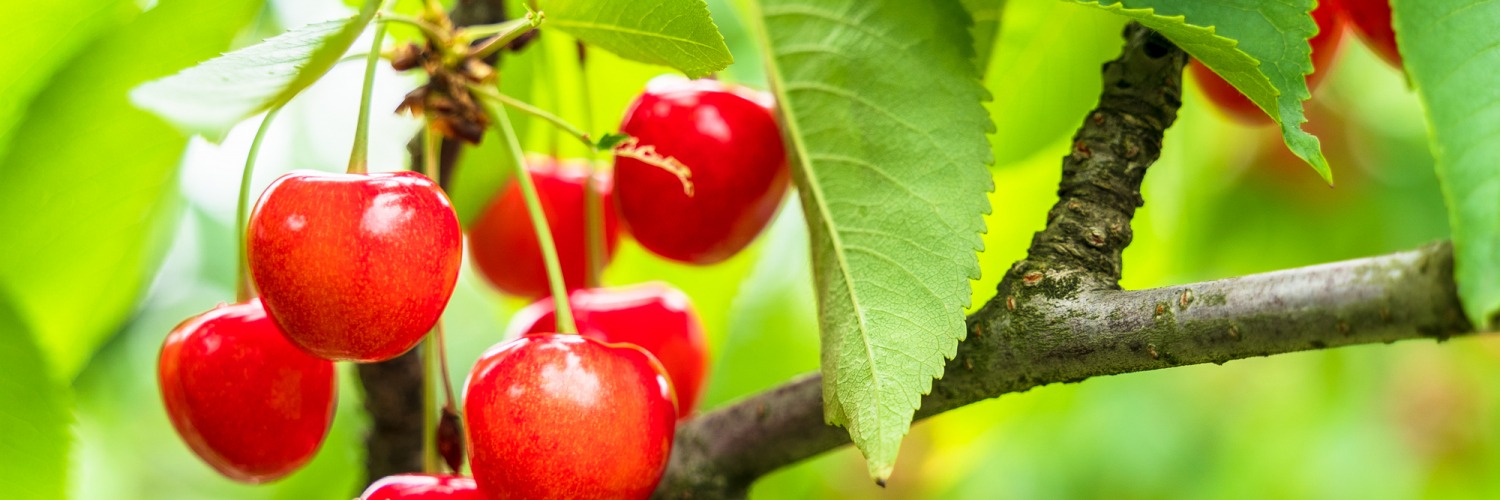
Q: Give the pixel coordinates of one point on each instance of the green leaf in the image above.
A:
(88, 176)
(610, 140)
(211, 97)
(81, 20)
(986, 16)
(1258, 46)
(1449, 51)
(34, 446)
(676, 33)
(891, 168)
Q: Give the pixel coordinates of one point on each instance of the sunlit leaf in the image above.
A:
(676, 33)
(892, 174)
(88, 175)
(211, 97)
(31, 69)
(34, 446)
(1449, 52)
(1258, 46)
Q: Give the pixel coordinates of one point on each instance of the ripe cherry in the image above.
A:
(1372, 19)
(729, 140)
(246, 400)
(565, 416)
(354, 267)
(503, 243)
(422, 487)
(653, 316)
(1324, 46)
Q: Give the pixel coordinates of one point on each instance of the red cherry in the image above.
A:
(354, 267)
(503, 244)
(1324, 46)
(422, 487)
(1372, 19)
(244, 399)
(653, 316)
(729, 139)
(565, 416)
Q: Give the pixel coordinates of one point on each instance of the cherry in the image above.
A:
(503, 243)
(354, 267)
(248, 402)
(653, 316)
(565, 416)
(422, 487)
(1324, 46)
(1372, 19)
(729, 140)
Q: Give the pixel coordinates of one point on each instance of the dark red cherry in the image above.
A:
(245, 400)
(654, 316)
(354, 267)
(503, 243)
(565, 416)
(729, 140)
(422, 487)
(1372, 19)
(1324, 45)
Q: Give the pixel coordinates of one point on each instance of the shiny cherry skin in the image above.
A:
(355, 267)
(729, 140)
(1372, 19)
(1324, 44)
(503, 244)
(422, 487)
(248, 402)
(654, 316)
(565, 416)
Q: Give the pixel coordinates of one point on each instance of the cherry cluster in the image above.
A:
(359, 267)
(1371, 18)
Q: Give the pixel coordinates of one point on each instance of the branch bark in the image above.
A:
(1059, 315)
(393, 389)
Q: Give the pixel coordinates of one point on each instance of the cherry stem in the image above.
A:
(504, 33)
(522, 106)
(432, 347)
(429, 30)
(242, 212)
(430, 151)
(534, 210)
(359, 157)
(593, 206)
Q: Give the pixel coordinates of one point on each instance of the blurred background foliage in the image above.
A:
(96, 195)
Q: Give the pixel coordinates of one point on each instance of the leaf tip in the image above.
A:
(880, 473)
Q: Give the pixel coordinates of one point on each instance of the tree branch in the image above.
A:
(393, 389)
(1059, 315)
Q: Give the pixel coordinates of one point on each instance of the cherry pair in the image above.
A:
(351, 267)
(725, 136)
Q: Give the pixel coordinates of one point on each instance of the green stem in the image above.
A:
(432, 32)
(433, 344)
(534, 210)
(242, 212)
(359, 157)
(523, 107)
(593, 206)
(431, 153)
(504, 33)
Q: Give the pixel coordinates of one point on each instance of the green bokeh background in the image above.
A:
(1415, 419)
